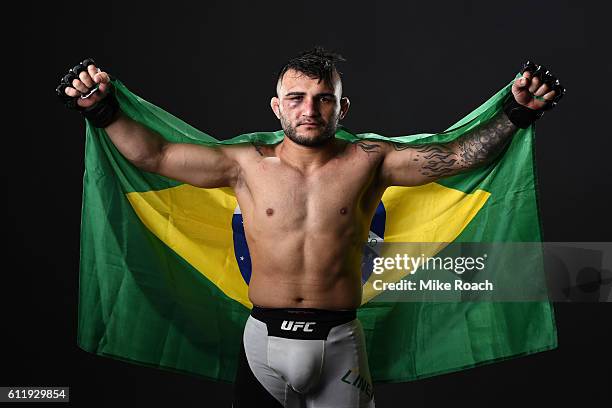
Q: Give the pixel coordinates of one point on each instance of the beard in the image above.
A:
(322, 138)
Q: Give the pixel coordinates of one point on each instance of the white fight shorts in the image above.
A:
(303, 358)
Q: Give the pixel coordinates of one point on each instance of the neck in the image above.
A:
(307, 158)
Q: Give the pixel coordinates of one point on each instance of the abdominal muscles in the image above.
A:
(314, 267)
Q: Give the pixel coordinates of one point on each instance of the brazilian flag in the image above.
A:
(165, 266)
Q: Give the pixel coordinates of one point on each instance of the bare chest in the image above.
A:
(275, 196)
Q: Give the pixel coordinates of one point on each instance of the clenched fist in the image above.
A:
(536, 91)
(537, 88)
(87, 89)
(84, 85)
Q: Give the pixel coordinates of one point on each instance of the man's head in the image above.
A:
(308, 99)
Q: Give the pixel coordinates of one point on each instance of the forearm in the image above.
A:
(534, 92)
(140, 145)
(474, 149)
(483, 144)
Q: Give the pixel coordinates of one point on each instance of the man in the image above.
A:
(307, 203)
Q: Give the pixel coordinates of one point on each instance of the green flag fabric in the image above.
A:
(164, 266)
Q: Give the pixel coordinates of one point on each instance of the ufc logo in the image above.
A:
(295, 326)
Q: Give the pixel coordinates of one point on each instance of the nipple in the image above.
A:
(343, 210)
(269, 211)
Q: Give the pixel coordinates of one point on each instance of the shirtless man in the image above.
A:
(307, 203)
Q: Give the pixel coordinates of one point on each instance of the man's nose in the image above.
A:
(311, 107)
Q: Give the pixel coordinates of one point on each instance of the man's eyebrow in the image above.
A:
(304, 93)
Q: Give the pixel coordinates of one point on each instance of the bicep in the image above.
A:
(413, 165)
(201, 166)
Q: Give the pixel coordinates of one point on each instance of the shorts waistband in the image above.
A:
(302, 323)
(320, 315)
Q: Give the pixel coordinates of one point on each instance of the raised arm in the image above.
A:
(421, 164)
(200, 166)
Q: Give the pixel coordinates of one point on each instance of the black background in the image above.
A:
(412, 67)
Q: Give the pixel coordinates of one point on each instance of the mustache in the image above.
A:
(310, 122)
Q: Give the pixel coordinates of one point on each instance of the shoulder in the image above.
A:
(373, 147)
(245, 150)
(363, 152)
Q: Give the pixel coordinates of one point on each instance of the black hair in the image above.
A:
(315, 63)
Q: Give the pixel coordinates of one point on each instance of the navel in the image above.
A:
(269, 211)
(343, 210)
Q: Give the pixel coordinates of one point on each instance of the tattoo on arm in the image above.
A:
(467, 152)
(436, 160)
(369, 147)
(258, 148)
(400, 147)
(485, 143)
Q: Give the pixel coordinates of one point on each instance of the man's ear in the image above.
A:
(274, 104)
(344, 106)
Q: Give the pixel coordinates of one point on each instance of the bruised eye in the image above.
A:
(325, 99)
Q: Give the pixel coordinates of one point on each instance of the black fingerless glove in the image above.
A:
(104, 112)
(522, 116)
(100, 115)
